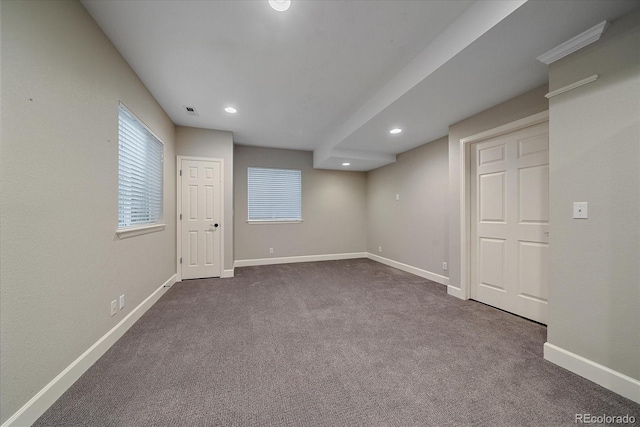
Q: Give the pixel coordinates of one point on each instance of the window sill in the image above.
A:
(125, 233)
(296, 221)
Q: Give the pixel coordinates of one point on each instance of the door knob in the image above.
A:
(214, 225)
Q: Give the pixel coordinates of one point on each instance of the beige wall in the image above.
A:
(525, 105)
(61, 262)
(213, 144)
(594, 305)
(412, 230)
(333, 209)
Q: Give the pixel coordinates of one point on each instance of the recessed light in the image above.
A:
(396, 130)
(230, 110)
(346, 164)
(280, 5)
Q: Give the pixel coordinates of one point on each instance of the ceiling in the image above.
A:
(334, 77)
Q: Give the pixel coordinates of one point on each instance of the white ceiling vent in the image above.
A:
(192, 111)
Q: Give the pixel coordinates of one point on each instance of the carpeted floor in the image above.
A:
(336, 343)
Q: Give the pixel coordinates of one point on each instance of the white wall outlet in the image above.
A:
(114, 307)
(397, 196)
(445, 267)
(379, 248)
(270, 250)
(121, 302)
(580, 210)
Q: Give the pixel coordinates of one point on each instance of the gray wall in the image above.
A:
(61, 262)
(594, 304)
(213, 144)
(333, 209)
(522, 106)
(412, 230)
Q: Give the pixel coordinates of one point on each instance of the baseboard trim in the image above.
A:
(456, 292)
(410, 269)
(34, 408)
(227, 273)
(292, 259)
(608, 378)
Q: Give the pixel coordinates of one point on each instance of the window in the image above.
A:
(140, 158)
(275, 194)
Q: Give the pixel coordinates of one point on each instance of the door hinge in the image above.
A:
(180, 260)
(180, 172)
(180, 217)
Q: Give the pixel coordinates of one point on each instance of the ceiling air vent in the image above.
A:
(192, 111)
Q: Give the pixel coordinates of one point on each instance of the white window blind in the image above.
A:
(140, 158)
(275, 194)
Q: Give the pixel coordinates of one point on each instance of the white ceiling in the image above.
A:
(335, 76)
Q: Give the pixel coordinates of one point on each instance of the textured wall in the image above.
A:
(594, 305)
(333, 209)
(61, 262)
(412, 230)
(213, 144)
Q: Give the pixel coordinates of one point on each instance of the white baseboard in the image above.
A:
(456, 292)
(34, 408)
(292, 259)
(608, 378)
(227, 273)
(410, 269)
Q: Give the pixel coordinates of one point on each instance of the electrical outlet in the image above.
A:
(580, 210)
(121, 302)
(379, 248)
(397, 196)
(445, 266)
(270, 250)
(114, 307)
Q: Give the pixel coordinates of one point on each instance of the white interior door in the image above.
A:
(510, 222)
(201, 219)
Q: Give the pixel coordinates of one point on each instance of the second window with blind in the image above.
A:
(274, 195)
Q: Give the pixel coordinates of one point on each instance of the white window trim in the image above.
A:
(125, 233)
(138, 230)
(275, 221)
(267, 222)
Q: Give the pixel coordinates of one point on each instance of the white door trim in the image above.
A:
(223, 227)
(464, 291)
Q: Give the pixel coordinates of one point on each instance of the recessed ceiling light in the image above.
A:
(231, 110)
(280, 5)
(396, 130)
(346, 164)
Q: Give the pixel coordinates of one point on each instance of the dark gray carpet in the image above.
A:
(337, 343)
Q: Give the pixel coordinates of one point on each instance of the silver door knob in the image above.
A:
(214, 225)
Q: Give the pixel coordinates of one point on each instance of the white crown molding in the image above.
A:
(572, 86)
(578, 42)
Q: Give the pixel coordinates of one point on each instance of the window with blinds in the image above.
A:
(140, 158)
(274, 194)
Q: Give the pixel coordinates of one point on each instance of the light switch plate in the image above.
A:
(580, 210)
